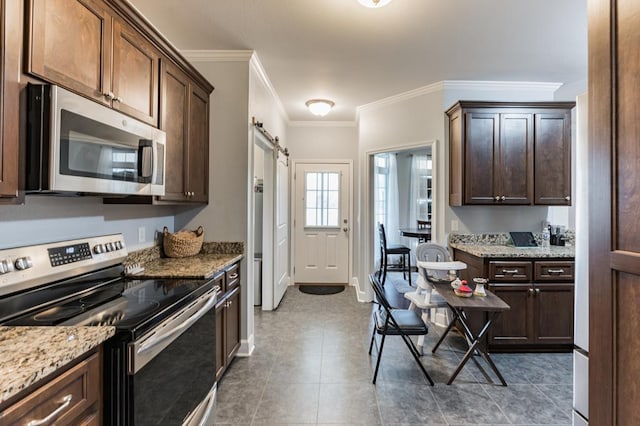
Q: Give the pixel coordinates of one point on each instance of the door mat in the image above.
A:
(321, 289)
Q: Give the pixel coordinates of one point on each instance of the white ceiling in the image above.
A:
(339, 50)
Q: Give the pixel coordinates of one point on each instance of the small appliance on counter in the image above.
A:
(159, 367)
(523, 239)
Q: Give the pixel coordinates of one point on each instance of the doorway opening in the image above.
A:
(402, 195)
(268, 233)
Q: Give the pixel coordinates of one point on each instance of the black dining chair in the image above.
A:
(387, 250)
(424, 224)
(389, 321)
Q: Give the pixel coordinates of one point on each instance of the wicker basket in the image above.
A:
(182, 243)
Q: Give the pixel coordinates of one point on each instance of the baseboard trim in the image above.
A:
(246, 347)
(361, 296)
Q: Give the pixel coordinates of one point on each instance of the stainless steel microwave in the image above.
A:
(75, 145)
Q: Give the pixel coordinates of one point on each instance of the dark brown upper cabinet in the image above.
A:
(185, 119)
(108, 52)
(505, 153)
(10, 46)
(552, 146)
(84, 46)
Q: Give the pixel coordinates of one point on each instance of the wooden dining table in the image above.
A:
(422, 234)
(490, 304)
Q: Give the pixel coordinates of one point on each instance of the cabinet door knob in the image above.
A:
(531, 291)
(118, 99)
(567, 198)
(108, 95)
(503, 198)
(537, 291)
(497, 198)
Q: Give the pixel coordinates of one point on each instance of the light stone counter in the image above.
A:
(201, 266)
(27, 354)
(495, 250)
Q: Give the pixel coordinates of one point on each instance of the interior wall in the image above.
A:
(389, 127)
(224, 218)
(44, 219)
(320, 141)
(409, 120)
(569, 91)
(265, 107)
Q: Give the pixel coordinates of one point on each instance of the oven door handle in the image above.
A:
(150, 344)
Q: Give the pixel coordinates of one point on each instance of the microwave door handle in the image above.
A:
(145, 160)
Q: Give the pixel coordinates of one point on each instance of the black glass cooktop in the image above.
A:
(125, 303)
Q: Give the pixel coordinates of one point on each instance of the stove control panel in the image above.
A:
(69, 254)
(25, 267)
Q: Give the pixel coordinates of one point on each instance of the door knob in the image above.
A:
(503, 198)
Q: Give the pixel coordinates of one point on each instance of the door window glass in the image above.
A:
(322, 199)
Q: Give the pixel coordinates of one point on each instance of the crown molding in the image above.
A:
(218, 55)
(322, 124)
(547, 88)
(256, 65)
(541, 86)
(431, 88)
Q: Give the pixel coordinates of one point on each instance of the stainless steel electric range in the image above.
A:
(159, 368)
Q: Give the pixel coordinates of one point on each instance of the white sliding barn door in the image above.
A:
(281, 240)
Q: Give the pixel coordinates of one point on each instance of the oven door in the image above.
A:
(173, 367)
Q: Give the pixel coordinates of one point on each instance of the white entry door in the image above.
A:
(321, 227)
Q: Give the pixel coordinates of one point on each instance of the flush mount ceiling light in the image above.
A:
(319, 107)
(374, 3)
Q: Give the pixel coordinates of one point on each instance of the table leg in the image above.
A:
(449, 327)
(485, 354)
(475, 342)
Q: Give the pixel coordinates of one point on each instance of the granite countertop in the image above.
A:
(497, 250)
(27, 354)
(201, 266)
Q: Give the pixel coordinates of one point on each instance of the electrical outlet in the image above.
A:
(454, 226)
(142, 234)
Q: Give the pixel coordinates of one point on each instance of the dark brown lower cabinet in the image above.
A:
(228, 319)
(540, 292)
(513, 326)
(541, 314)
(75, 394)
(227, 330)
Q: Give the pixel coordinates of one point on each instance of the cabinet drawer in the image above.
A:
(510, 271)
(553, 270)
(71, 398)
(232, 276)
